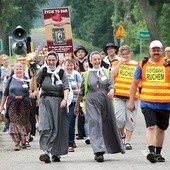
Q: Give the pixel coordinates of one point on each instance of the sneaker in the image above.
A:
(159, 158)
(55, 158)
(128, 146)
(151, 157)
(87, 141)
(71, 149)
(45, 158)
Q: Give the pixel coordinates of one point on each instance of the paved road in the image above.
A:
(82, 158)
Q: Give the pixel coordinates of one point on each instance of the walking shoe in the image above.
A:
(159, 158)
(79, 138)
(31, 139)
(71, 149)
(23, 146)
(99, 158)
(44, 158)
(17, 147)
(55, 158)
(151, 157)
(128, 146)
(87, 141)
(28, 144)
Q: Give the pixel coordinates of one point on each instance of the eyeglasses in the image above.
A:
(167, 51)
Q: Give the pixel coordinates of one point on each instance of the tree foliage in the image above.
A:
(165, 25)
(91, 21)
(95, 21)
(18, 12)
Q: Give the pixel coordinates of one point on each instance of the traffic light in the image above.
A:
(19, 36)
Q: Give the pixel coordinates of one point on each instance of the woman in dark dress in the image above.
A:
(98, 91)
(17, 98)
(53, 116)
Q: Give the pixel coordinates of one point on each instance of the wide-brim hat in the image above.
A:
(80, 47)
(111, 45)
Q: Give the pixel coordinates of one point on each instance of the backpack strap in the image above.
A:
(61, 73)
(44, 74)
(9, 82)
(144, 61)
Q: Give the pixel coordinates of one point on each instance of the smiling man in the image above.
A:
(155, 99)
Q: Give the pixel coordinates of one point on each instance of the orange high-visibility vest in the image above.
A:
(155, 82)
(123, 80)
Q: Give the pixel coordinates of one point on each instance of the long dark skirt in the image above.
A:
(19, 115)
(104, 134)
(53, 126)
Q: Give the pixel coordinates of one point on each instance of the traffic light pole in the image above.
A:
(10, 39)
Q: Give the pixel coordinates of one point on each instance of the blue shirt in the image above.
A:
(75, 79)
(157, 106)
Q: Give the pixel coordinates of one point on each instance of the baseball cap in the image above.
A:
(155, 43)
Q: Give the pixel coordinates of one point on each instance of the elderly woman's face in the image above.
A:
(19, 71)
(51, 61)
(96, 60)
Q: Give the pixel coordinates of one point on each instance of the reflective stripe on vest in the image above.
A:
(123, 80)
(155, 82)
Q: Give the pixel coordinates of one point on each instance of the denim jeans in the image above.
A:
(86, 127)
(72, 118)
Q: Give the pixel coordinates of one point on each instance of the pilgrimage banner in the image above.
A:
(58, 30)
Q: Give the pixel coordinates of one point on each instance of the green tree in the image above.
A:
(91, 21)
(5, 13)
(95, 20)
(14, 13)
(152, 12)
(165, 25)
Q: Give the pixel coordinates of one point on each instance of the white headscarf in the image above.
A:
(55, 73)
